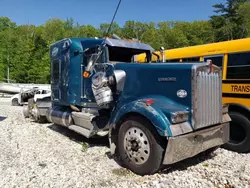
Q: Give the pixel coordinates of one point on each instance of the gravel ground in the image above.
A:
(47, 155)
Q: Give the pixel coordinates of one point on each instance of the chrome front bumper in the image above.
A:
(189, 145)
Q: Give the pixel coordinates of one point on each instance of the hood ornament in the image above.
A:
(211, 69)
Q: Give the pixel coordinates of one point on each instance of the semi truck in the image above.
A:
(154, 114)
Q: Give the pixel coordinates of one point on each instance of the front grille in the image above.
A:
(207, 99)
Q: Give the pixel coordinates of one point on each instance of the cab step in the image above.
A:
(88, 124)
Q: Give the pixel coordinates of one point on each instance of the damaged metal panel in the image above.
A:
(128, 44)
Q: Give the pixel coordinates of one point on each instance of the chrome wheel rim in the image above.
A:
(136, 145)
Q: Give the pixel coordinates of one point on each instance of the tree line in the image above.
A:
(24, 49)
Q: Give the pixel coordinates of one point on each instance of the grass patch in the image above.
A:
(206, 164)
(84, 146)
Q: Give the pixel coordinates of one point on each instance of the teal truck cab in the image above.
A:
(153, 113)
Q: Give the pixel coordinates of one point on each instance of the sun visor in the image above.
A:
(128, 44)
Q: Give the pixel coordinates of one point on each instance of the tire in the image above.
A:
(26, 111)
(148, 161)
(42, 119)
(30, 102)
(239, 133)
(15, 102)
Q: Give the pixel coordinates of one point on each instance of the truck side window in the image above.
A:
(238, 66)
(55, 71)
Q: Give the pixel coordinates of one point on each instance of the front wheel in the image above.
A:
(15, 102)
(140, 147)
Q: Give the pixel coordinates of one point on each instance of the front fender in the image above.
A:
(157, 113)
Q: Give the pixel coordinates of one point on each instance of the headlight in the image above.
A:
(178, 117)
(225, 108)
(98, 79)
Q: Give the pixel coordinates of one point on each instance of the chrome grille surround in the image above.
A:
(206, 95)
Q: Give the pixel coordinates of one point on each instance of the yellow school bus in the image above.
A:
(234, 59)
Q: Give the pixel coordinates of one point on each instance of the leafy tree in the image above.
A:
(170, 36)
(136, 30)
(6, 45)
(85, 31)
(197, 32)
(115, 29)
(228, 24)
(54, 30)
(244, 13)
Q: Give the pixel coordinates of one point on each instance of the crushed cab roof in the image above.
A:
(127, 44)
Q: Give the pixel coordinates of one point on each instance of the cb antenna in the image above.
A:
(113, 18)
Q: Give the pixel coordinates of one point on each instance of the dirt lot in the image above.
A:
(47, 155)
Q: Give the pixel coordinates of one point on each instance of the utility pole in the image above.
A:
(8, 69)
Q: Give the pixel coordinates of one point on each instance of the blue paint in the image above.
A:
(71, 86)
(158, 113)
(142, 79)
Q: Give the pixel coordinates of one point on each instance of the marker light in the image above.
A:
(86, 74)
(149, 102)
(179, 117)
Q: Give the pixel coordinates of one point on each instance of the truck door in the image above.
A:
(55, 72)
(87, 93)
(60, 58)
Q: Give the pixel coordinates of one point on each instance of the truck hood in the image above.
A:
(173, 81)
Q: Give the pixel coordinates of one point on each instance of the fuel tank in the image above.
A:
(59, 116)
